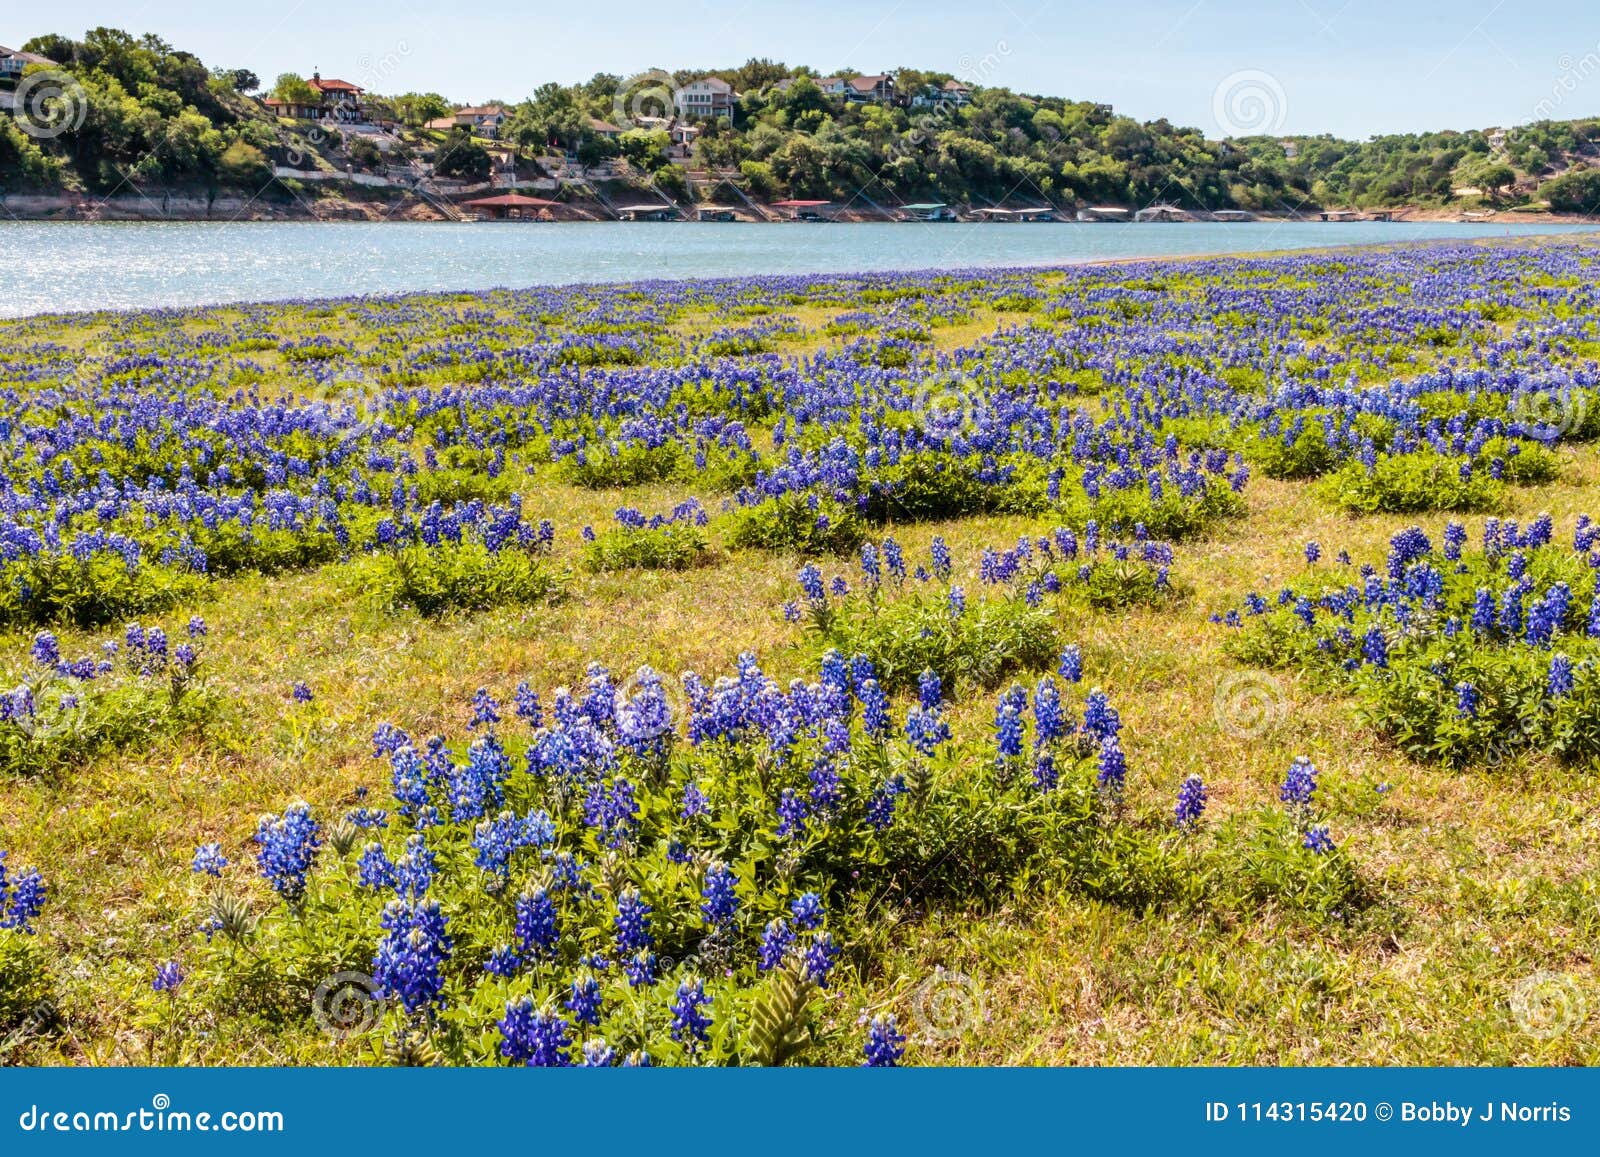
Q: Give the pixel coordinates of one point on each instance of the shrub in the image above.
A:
(796, 522)
(617, 465)
(56, 587)
(465, 575)
(61, 714)
(664, 542)
(1410, 484)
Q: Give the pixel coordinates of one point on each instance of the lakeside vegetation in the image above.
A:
(1171, 662)
(156, 116)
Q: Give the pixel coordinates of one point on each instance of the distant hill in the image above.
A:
(138, 112)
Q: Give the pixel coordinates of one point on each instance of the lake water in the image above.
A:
(67, 266)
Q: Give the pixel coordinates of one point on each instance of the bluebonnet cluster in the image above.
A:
(886, 1044)
(22, 896)
(286, 847)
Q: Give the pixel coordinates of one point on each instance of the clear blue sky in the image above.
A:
(1351, 67)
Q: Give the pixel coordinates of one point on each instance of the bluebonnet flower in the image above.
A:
(1313, 551)
(1299, 787)
(1318, 840)
(776, 941)
(695, 802)
(1466, 700)
(585, 1004)
(1050, 723)
(413, 872)
(925, 730)
(806, 910)
(1375, 647)
(287, 847)
(817, 961)
(209, 860)
(1071, 666)
(410, 959)
(45, 650)
(689, 1025)
(533, 1036)
(503, 961)
(941, 558)
(930, 694)
(1559, 681)
(612, 812)
(958, 602)
(1100, 720)
(21, 898)
(485, 711)
(1113, 765)
(719, 900)
(874, 709)
(168, 977)
(527, 706)
(632, 922)
(880, 807)
(886, 1044)
(374, 870)
(640, 969)
(537, 928)
(1045, 775)
(301, 692)
(871, 569)
(791, 813)
(1007, 733)
(811, 583)
(1191, 803)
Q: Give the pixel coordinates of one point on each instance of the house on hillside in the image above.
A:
(950, 93)
(335, 100)
(1291, 148)
(705, 99)
(13, 61)
(604, 129)
(870, 89)
(484, 119)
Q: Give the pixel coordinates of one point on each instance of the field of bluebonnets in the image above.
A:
(1159, 663)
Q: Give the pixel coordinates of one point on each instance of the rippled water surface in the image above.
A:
(60, 266)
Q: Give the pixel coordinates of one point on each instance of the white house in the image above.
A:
(705, 99)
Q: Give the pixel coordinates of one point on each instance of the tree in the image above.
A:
(462, 157)
(243, 165)
(292, 88)
(242, 79)
(1574, 192)
(416, 109)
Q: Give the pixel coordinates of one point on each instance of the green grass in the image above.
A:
(1475, 880)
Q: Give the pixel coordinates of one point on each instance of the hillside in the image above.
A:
(135, 113)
